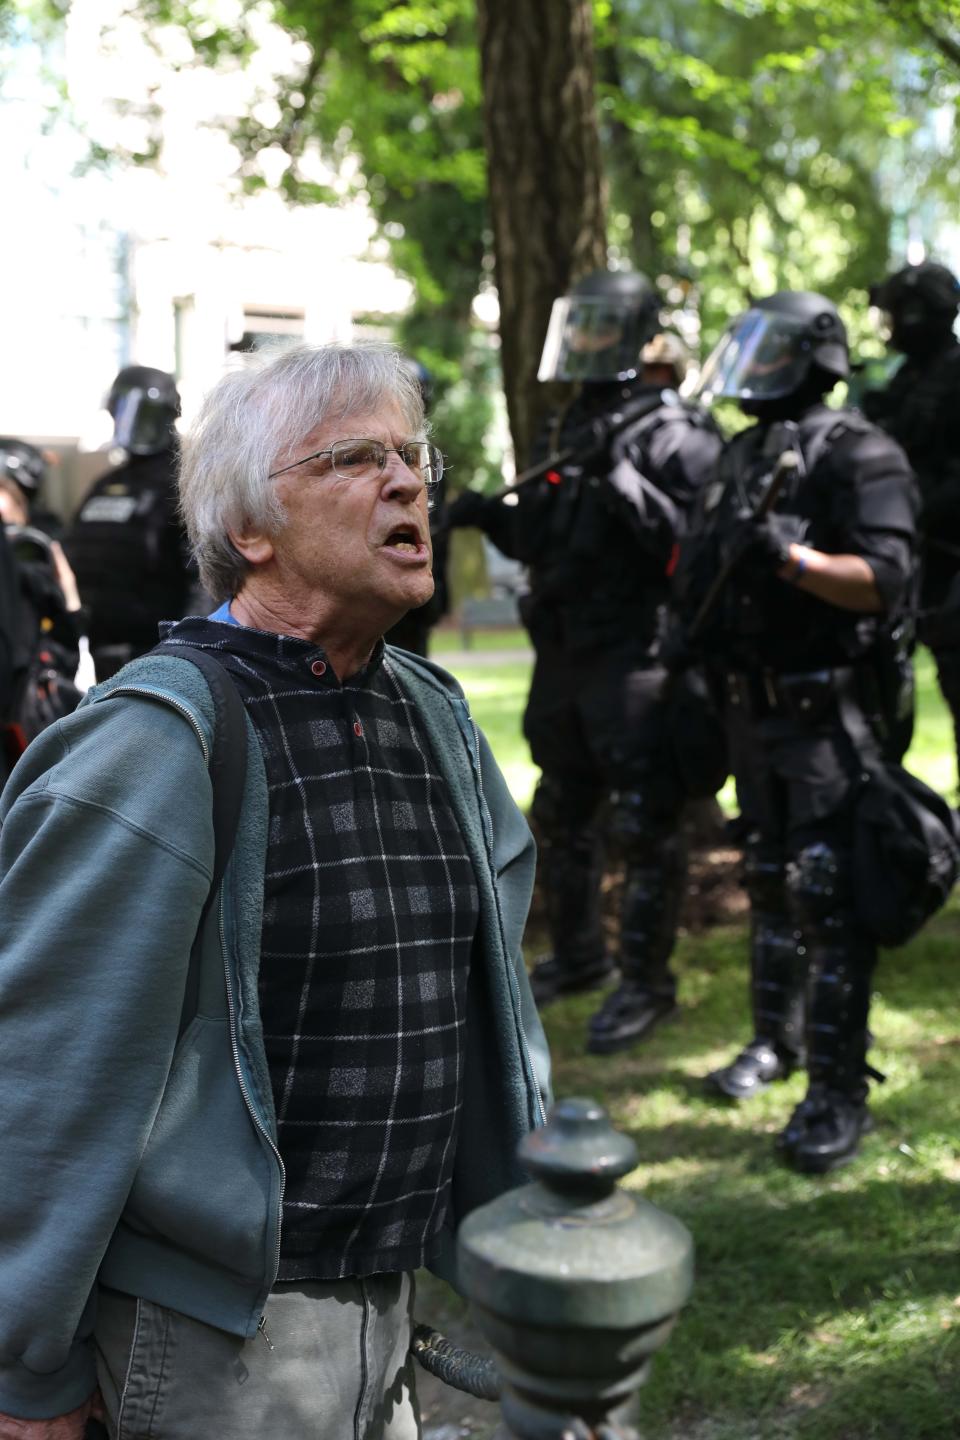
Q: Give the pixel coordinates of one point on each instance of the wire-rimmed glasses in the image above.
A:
(356, 459)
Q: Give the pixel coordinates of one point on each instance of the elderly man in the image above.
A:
(221, 1229)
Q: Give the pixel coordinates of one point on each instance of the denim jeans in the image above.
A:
(332, 1362)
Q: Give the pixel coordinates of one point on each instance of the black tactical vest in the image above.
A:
(127, 550)
(598, 575)
(854, 486)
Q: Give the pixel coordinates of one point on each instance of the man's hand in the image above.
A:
(60, 1427)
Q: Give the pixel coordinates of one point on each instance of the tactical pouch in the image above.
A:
(906, 854)
(807, 698)
(906, 839)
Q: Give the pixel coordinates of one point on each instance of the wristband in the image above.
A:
(801, 566)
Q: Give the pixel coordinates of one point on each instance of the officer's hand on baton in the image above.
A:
(787, 466)
(763, 545)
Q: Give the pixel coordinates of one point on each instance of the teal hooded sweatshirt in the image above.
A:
(147, 1162)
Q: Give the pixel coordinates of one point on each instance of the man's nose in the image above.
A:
(399, 481)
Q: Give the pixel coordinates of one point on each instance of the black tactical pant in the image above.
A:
(596, 726)
(797, 773)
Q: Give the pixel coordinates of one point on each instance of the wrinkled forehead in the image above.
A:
(392, 417)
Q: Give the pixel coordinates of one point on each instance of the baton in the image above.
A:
(786, 466)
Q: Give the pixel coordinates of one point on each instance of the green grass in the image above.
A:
(824, 1309)
(447, 638)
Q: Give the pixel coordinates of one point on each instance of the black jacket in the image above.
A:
(598, 534)
(858, 497)
(920, 408)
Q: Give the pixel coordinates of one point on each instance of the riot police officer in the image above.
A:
(598, 534)
(798, 641)
(126, 543)
(921, 409)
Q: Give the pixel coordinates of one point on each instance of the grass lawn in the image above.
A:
(823, 1308)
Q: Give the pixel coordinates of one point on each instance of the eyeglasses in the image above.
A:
(356, 459)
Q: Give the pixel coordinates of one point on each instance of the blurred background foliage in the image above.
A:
(748, 145)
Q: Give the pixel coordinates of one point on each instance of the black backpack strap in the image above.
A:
(228, 773)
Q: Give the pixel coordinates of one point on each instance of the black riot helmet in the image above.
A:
(922, 303)
(596, 333)
(424, 379)
(24, 464)
(786, 351)
(144, 404)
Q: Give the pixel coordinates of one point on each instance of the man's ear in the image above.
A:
(255, 546)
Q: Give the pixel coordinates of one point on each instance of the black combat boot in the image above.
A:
(778, 965)
(824, 1130)
(570, 873)
(626, 1016)
(647, 994)
(555, 975)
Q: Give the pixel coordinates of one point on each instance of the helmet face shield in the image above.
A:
(142, 422)
(595, 338)
(763, 355)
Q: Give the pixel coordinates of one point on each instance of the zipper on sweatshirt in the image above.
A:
(251, 1109)
(474, 752)
(183, 710)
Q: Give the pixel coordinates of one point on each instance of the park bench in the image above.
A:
(490, 612)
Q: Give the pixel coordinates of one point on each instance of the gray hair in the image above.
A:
(253, 421)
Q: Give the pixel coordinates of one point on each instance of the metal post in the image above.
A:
(573, 1282)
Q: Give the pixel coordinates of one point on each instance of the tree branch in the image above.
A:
(945, 44)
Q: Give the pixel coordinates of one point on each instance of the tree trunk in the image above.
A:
(545, 178)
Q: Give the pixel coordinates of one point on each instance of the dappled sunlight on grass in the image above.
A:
(824, 1308)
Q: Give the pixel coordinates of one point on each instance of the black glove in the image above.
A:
(466, 510)
(764, 545)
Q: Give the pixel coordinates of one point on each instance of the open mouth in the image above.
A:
(405, 538)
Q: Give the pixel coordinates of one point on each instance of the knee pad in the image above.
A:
(560, 810)
(764, 874)
(819, 885)
(640, 828)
